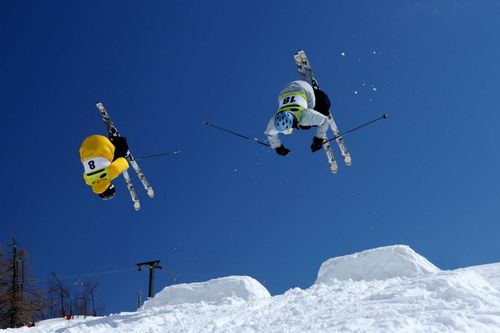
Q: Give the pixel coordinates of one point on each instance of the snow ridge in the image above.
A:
(384, 290)
(377, 264)
(213, 291)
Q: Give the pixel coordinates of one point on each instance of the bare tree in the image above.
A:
(21, 302)
(50, 305)
(60, 296)
(90, 288)
(33, 298)
(3, 288)
(81, 300)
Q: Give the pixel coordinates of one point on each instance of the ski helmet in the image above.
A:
(109, 193)
(283, 121)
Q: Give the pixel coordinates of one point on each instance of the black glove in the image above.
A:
(282, 150)
(121, 146)
(317, 144)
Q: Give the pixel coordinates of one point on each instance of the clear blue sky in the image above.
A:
(427, 177)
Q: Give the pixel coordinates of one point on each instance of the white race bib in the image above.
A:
(95, 163)
(293, 100)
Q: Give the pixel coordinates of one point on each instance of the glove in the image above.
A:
(317, 144)
(282, 150)
(121, 146)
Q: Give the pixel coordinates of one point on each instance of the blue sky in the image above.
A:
(427, 178)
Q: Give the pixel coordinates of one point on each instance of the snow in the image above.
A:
(213, 291)
(387, 289)
(377, 264)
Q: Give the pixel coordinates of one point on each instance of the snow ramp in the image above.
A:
(376, 264)
(212, 291)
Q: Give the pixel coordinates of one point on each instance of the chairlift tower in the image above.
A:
(155, 264)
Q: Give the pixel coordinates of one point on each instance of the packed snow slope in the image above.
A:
(388, 289)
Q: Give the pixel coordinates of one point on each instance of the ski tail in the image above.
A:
(131, 190)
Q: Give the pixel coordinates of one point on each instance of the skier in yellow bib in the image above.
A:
(103, 161)
(300, 107)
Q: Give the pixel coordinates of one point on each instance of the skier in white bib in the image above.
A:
(300, 107)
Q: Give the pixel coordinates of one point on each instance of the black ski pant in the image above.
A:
(322, 102)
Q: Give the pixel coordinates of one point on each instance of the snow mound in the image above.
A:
(420, 298)
(377, 264)
(213, 291)
(489, 271)
(465, 287)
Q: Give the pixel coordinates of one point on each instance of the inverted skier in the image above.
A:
(103, 160)
(300, 107)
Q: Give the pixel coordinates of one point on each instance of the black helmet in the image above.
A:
(109, 193)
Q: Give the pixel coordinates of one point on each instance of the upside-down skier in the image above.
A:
(300, 107)
(103, 160)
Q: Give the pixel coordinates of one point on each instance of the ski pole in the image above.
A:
(175, 152)
(384, 116)
(237, 134)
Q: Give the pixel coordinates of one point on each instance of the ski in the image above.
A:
(113, 131)
(326, 146)
(301, 58)
(131, 190)
(305, 71)
(331, 159)
(340, 142)
(300, 67)
(145, 183)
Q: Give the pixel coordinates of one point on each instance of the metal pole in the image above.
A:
(237, 134)
(152, 266)
(175, 152)
(139, 298)
(151, 281)
(384, 116)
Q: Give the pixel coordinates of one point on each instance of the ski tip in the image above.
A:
(385, 115)
(205, 123)
(137, 206)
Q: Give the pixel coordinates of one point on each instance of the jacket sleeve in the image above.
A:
(272, 134)
(100, 186)
(311, 117)
(117, 167)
